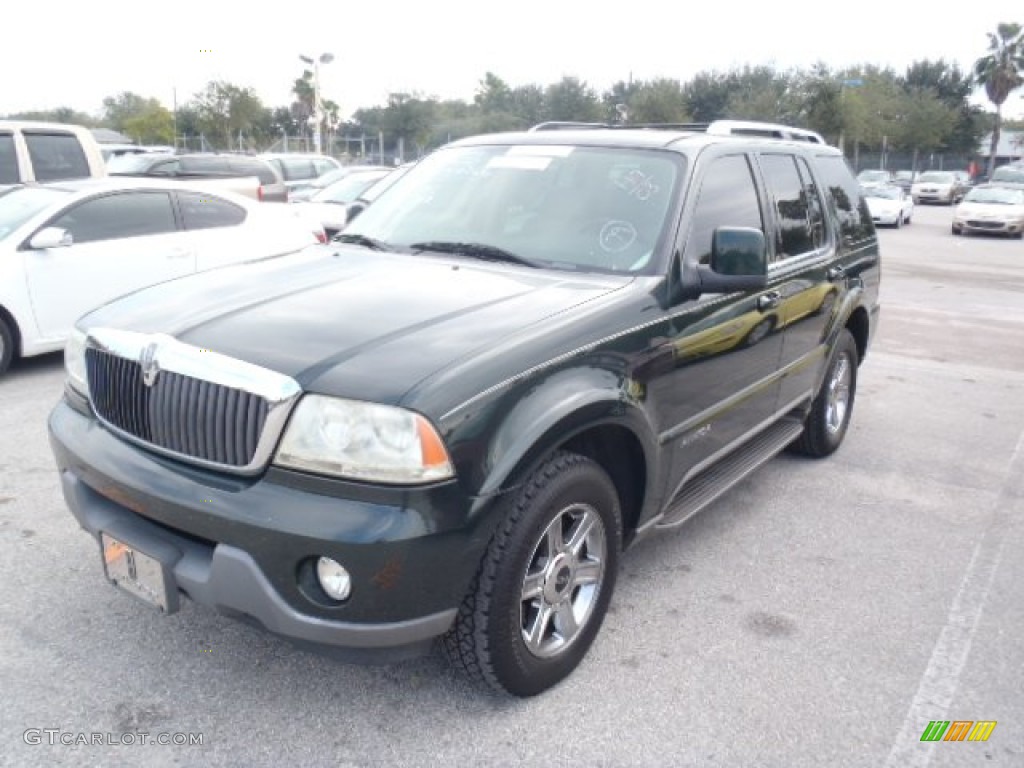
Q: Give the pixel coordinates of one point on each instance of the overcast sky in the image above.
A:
(74, 53)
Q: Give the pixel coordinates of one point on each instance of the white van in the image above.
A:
(31, 151)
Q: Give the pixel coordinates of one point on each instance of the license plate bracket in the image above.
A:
(138, 573)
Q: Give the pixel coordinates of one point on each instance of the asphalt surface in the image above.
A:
(818, 615)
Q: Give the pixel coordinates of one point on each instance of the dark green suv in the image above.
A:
(447, 424)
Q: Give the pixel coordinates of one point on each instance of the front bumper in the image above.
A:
(989, 226)
(246, 546)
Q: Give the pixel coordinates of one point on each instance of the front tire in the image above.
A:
(832, 408)
(545, 581)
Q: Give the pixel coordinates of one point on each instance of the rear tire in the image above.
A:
(832, 408)
(6, 345)
(545, 581)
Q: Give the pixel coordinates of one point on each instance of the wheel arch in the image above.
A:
(12, 324)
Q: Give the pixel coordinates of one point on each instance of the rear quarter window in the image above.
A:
(208, 211)
(855, 222)
(56, 156)
(205, 165)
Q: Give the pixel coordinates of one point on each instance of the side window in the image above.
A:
(854, 218)
(166, 168)
(8, 160)
(56, 156)
(727, 198)
(815, 209)
(793, 235)
(130, 214)
(207, 211)
(204, 166)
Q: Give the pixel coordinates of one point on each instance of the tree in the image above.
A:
(707, 95)
(953, 88)
(924, 123)
(761, 93)
(154, 125)
(1000, 72)
(227, 109)
(126, 106)
(59, 115)
(571, 99)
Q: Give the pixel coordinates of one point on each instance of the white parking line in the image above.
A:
(942, 675)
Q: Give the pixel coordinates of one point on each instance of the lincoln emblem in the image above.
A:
(149, 365)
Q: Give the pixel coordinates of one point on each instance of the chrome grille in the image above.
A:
(187, 402)
(189, 416)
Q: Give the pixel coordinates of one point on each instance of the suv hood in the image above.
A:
(349, 322)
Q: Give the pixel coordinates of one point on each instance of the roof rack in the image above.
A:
(716, 128)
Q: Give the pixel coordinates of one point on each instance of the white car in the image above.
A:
(889, 206)
(330, 205)
(938, 187)
(991, 210)
(68, 247)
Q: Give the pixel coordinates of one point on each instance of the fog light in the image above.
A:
(333, 578)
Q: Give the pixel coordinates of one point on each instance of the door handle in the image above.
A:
(836, 273)
(768, 301)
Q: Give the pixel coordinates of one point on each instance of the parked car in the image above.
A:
(330, 205)
(990, 209)
(68, 247)
(443, 424)
(44, 152)
(376, 190)
(302, 191)
(889, 206)
(938, 187)
(1011, 175)
(297, 168)
(116, 150)
(195, 167)
(904, 180)
(874, 178)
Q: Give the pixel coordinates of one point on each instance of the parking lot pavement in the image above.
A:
(821, 614)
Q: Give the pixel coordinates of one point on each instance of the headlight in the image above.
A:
(363, 441)
(74, 362)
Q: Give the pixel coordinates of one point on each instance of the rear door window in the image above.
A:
(793, 236)
(56, 156)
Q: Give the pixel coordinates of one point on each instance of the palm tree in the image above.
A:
(1000, 72)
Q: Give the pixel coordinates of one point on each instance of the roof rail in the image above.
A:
(716, 128)
(765, 130)
(562, 125)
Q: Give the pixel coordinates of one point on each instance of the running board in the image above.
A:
(706, 486)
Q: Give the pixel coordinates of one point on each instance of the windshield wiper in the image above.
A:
(473, 250)
(367, 242)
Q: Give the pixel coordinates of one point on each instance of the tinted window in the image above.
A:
(130, 214)
(728, 198)
(207, 211)
(854, 218)
(8, 160)
(205, 165)
(793, 232)
(56, 156)
(815, 207)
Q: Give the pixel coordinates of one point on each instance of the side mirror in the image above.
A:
(50, 237)
(739, 261)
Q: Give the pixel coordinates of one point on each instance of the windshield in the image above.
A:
(874, 176)
(935, 177)
(348, 188)
(997, 195)
(21, 204)
(886, 193)
(586, 208)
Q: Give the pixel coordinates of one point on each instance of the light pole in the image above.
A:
(324, 58)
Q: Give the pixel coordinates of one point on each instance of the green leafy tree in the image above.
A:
(925, 122)
(707, 95)
(153, 125)
(65, 115)
(528, 104)
(953, 87)
(227, 110)
(761, 93)
(571, 99)
(653, 101)
(1000, 72)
